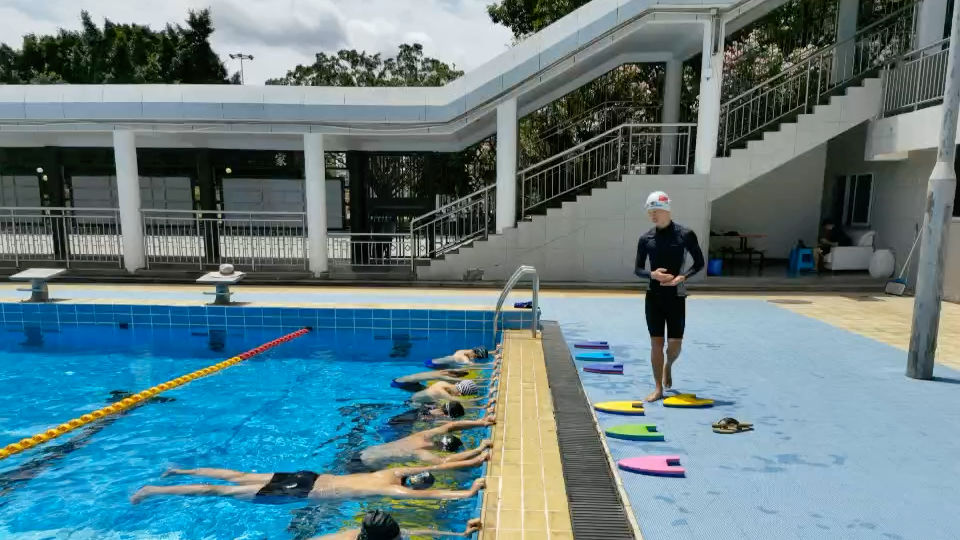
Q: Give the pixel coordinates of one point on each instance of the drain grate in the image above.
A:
(596, 511)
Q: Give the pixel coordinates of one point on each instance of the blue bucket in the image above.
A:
(715, 267)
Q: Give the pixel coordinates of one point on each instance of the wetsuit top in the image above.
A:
(668, 248)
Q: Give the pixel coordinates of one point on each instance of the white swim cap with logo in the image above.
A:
(658, 200)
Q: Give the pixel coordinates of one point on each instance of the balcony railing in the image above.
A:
(68, 236)
(627, 149)
(207, 239)
(917, 80)
(800, 87)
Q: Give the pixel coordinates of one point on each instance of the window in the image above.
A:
(858, 200)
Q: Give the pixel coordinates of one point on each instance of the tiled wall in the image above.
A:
(54, 316)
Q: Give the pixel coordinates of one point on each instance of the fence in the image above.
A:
(916, 80)
(359, 251)
(453, 225)
(68, 236)
(800, 87)
(627, 149)
(206, 239)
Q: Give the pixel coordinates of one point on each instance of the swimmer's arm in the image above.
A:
(640, 266)
(451, 466)
(693, 248)
(469, 454)
(350, 534)
(461, 425)
(440, 494)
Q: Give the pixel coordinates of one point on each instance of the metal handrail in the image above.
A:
(453, 225)
(535, 304)
(925, 90)
(413, 222)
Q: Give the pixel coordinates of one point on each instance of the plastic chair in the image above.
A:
(801, 260)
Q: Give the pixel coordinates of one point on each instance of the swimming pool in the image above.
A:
(307, 404)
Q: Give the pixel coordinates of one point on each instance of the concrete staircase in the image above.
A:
(791, 139)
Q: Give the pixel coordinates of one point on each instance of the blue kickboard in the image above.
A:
(596, 355)
(610, 369)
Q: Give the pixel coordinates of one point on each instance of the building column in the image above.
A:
(845, 61)
(672, 83)
(708, 117)
(316, 198)
(932, 22)
(507, 124)
(128, 195)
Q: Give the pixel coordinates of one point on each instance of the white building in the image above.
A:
(848, 132)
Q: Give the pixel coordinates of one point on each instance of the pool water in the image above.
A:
(307, 404)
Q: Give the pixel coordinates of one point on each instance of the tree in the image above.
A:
(117, 54)
(352, 68)
(525, 17)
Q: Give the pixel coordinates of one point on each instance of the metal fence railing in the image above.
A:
(206, 239)
(916, 80)
(68, 236)
(454, 224)
(627, 149)
(353, 251)
(800, 87)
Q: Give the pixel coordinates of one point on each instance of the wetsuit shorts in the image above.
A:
(296, 485)
(666, 315)
(408, 386)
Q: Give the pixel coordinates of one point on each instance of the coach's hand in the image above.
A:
(661, 275)
(675, 281)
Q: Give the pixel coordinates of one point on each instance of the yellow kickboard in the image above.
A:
(630, 408)
(687, 400)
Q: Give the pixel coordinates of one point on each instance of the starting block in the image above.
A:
(38, 278)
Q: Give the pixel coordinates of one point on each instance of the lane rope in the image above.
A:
(137, 399)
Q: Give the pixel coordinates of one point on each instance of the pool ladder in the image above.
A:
(517, 275)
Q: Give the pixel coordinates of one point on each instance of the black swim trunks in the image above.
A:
(408, 386)
(666, 315)
(296, 485)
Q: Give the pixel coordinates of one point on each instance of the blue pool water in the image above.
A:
(307, 404)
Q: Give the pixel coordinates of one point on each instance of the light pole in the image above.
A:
(936, 223)
(241, 57)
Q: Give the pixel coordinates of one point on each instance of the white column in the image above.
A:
(671, 115)
(507, 165)
(708, 118)
(128, 194)
(931, 21)
(845, 61)
(316, 194)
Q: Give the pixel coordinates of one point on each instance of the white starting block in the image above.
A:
(223, 279)
(38, 278)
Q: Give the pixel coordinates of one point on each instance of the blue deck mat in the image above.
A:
(845, 446)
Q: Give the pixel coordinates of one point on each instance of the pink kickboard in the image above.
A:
(653, 465)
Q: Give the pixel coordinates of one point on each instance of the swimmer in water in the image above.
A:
(378, 525)
(463, 392)
(416, 382)
(443, 412)
(422, 446)
(468, 357)
(398, 483)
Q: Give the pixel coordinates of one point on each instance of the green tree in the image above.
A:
(353, 68)
(525, 17)
(117, 53)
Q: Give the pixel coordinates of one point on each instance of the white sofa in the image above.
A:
(854, 257)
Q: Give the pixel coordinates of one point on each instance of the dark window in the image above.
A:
(859, 199)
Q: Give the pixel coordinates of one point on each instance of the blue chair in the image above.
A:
(801, 260)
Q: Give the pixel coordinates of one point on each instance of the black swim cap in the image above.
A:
(453, 409)
(379, 525)
(481, 352)
(422, 480)
(448, 443)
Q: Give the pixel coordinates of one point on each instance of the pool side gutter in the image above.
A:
(599, 508)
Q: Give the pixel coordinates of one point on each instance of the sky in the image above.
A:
(283, 33)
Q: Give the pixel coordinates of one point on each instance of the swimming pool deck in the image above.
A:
(845, 445)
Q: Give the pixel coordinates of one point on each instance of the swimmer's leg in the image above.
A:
(236, 477)
(197, 490)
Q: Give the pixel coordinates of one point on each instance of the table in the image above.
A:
(745, 248)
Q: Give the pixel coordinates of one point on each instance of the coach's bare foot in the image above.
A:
(656, 395)
(141, 494)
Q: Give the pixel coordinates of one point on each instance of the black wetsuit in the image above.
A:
(296, 485)
(667, 248)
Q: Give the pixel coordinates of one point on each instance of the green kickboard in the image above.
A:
(635, 432)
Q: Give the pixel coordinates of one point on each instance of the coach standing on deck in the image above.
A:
(666, 245)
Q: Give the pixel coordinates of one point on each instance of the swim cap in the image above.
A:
(377, 525)
(467, 388)
(481, 352)
(658, 200)
(453, 409)
(448, 443)
(422, 480)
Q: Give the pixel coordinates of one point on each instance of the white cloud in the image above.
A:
(283, 33)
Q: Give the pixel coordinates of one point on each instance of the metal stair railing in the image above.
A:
(453, 225)
(916, 80)
(800, 87)
(625, 149)
(535, 301)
